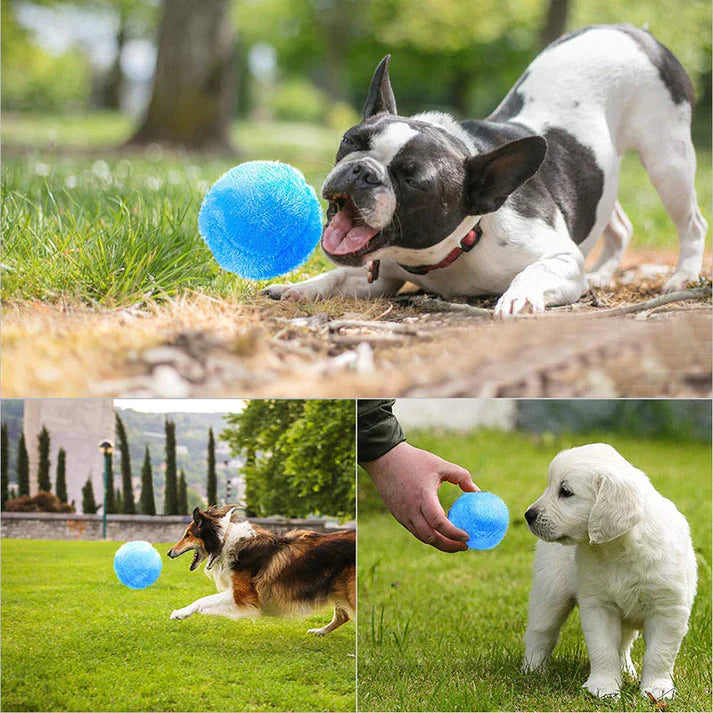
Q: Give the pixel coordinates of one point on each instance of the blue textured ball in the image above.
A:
(261, 219)
(484, 516)
(137, 564)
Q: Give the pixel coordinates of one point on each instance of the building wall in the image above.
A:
(78, 426)
(456, 414)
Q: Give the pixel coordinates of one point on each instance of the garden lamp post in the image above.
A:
(106, 447)
(227, 483)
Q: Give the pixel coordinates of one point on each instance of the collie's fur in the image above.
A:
(258, 572)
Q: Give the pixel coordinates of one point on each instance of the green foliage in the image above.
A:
(300, 456)
(147, 504)
(99, 646)
(23, 467)
(111, 505)
(89, 504)
(182, 495)
(442, 632)
(43, 468)
(299, 100)
(118, 502)
(170, 503)
(212, 481)
(127, 498)
(4, 465)
(61, 480)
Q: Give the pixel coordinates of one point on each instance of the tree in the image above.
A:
(89, 504)
(118, 500)
(23, 468)
(182, 495)
(110, 496)
(192, 90)
(127, 492)
(4, 466)
(212, 486)
(555, 21)
(147, 503)
(61, 482)
(170, 505)
(43, 469)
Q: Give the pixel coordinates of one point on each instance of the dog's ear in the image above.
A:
(491, 177)
(381, 97)
(616, 510)
(198, 516)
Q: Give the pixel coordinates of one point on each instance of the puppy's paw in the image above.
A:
(602, 687)
(317, 632)
(600, 278)
(280, 292)
(679, 281)
(181, 613)
(629, 669)
(516, 301)
(533, 665)
(660, 689)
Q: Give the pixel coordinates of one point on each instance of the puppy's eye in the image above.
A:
(565, 492)
(346, 141)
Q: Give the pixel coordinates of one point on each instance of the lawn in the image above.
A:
(75, 639)
(442, 632)
(110, 228)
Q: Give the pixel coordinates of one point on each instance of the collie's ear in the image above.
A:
(198, 516)
(381, 96)
(617, 508)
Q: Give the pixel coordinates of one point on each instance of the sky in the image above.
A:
(182, 405)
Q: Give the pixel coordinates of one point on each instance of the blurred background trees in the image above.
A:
(182, 69)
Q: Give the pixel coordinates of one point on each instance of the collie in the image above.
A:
(258, 572)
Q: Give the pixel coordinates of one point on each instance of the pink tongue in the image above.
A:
(342, 237)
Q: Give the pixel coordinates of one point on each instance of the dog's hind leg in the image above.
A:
(628, 636)
(340, 617)
(616, 237)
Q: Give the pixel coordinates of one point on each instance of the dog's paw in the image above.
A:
(660, 689)
(600, 279)
(679, 281)
(280, 292)
(629, 669)
(602, 687)
(317, 632)
(515, 302)
(179, 614)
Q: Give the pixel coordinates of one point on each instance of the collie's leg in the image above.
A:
(221, 604)
(340, 617)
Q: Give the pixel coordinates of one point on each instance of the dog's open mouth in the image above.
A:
(196, 559)
(346, 234)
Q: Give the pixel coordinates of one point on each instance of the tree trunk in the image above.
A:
(192, 91)
(111, 91)
(555, 22)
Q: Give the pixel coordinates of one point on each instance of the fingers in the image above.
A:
(424, 532)
(459, 476)
(433, 514)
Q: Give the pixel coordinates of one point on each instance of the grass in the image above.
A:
(107, 228)
(444, 632)
(75, 639)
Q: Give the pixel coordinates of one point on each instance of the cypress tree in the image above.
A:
(110, 495)
(127, 494)
(117, 500)
(43, 469)
(23, 467)
(170, 505)
(61, 484)
(4, 467)
(89, 504)
(212, 485)
(182, 495)
(147, 503)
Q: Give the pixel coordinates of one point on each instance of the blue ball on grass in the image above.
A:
(261, 219)
(137, 564)
(484, 516)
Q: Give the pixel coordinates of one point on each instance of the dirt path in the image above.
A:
(200, 346)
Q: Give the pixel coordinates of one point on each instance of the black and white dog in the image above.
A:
(511, 205)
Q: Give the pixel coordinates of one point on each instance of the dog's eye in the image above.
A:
(564, 492)
(346, 141)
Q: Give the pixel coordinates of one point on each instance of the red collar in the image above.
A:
(466, 245)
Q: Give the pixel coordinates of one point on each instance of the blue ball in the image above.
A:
(137, 564)
(484, 516)
(261, 219)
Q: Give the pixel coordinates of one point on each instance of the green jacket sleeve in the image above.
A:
(378, 431)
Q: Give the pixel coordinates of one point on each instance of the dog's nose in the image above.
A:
(365, 175)
(531, 516)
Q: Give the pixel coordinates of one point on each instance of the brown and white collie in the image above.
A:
(258, 572)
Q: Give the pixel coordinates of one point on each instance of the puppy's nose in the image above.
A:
(365, 175)
(531, 516)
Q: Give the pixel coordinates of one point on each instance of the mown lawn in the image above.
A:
(120, 228)
(442, 632)
(75, 639)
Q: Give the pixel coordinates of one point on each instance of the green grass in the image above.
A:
(115, 229)
(75, 639)
(442, 632)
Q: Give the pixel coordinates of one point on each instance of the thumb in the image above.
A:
(459, 476)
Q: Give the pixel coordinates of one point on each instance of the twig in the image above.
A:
(394, 327)
(443, 306)
(681, 296)
(352, 339)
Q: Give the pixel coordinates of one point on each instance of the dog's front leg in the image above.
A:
(663, 634)
(342, 282)
(602, 633)
(553, 280)
(220, 604)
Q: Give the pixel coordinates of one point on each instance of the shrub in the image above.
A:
(42, 502)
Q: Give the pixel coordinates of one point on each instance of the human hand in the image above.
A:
(408, 479)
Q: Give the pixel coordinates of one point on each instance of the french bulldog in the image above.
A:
(511, 205)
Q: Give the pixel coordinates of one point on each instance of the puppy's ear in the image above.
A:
(491, 177)
(380, 97)
(616, 510)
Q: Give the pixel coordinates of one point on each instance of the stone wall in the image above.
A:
(122, 528)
